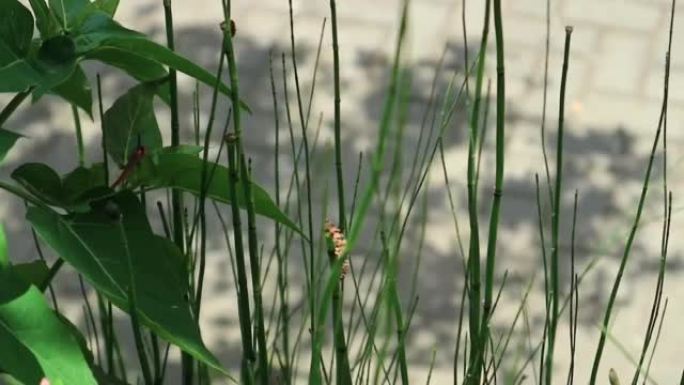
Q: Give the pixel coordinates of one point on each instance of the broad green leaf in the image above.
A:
(76, 90)
(189, 149)
(100, 244)
(52, 79)
(16, 26)
(18, 76)
(101, 376)
(73, 192)
(153, 51)
(82, 180)
(55, 62)
(7, 140)
(35, 272)
(4, 256)
(68, 12)
(140, 68)
(7, 56)
(41, 181)
(184, 171)
(137, 66)
(96, 29)
(130, 122)
(99, 31)
(33, 341)
(45, 21)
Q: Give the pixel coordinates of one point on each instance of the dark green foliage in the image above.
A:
(96, 244)
(130, 123)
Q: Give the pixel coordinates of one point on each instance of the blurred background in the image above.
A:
(613, 102)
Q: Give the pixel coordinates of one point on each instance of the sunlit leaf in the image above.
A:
(184, 171)
(33, 341)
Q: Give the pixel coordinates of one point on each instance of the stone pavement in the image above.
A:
(613, 101)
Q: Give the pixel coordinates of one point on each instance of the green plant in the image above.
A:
(100, 225)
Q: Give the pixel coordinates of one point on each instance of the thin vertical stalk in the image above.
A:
(474, 242)
(343, 373)
(295, 173)
(103, 143)
(176, 195)
(338, 118)
(395, 305)
(79, 136)
(256, 275)
(282, 261)
(637, 218)
(13, 104)
(555, 216)
(366, 198)
(243, 290)
(239, 157)
(204, 185)
(176, 198)
(304, 124)
(547, 45)
(574, 297)
(499, 173)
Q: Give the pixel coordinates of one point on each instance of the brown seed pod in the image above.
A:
(337, 244)
(233, 29)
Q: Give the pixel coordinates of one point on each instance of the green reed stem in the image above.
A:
(204, 185)
(474, 243)
(13, 104)
(555, 216)
(103, 142)
(499, 173)
(79, 136)
(239, 157)
(338, 118)
(256, 273)
(343, 373)
(244, 314)
(304, 125)
(341, 352)
(366, 198)
(176, 195)
(282, 262)
(635, 224)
